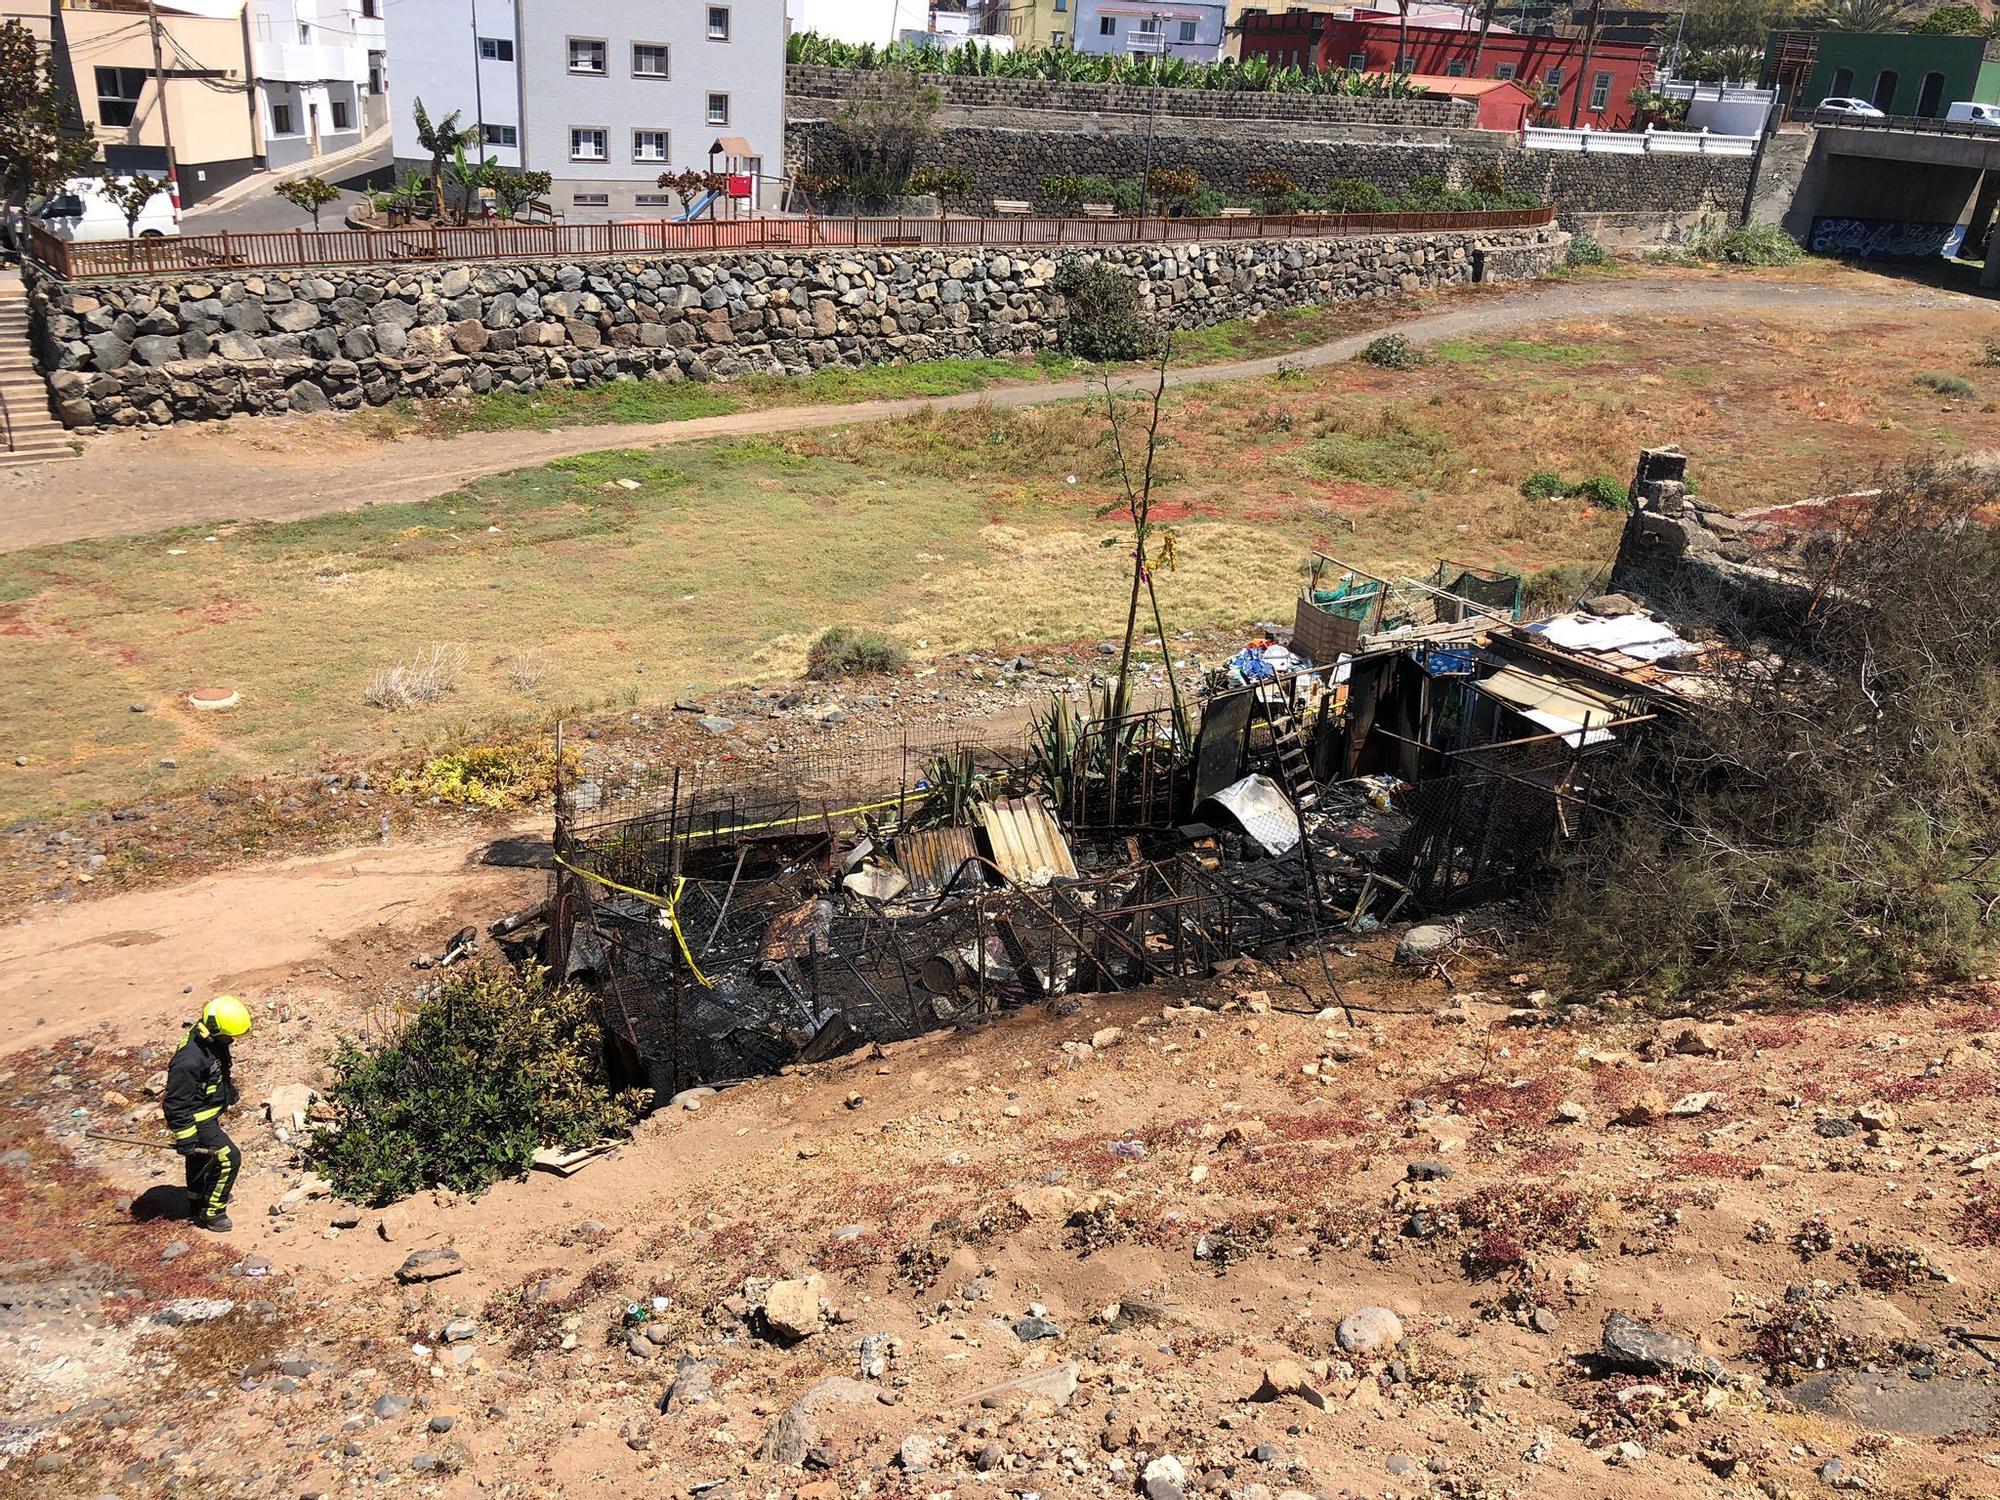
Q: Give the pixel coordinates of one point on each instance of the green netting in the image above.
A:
(1352, 598)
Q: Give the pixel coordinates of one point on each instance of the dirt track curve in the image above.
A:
(280, 470)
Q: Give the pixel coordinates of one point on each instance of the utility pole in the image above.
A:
(166, 117)
(1152, 119)
(478, 84)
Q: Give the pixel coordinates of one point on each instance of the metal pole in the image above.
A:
(478, 89)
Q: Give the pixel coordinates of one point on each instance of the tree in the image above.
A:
(513, 189)
(307, 194)
(440, 138)
(1863, 17)
(42, 139)
(1402, 37)
(1952, 20)
(469, 175)
(879, 131)
(130, 195)
(1589, 51)
(1485, 25)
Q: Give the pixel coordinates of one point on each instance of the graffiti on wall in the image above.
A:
(1865, 237)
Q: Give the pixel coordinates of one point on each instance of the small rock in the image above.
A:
(716, 724)
(1875, 1115)
(189, 1310)
(1032, 1328)
(442, 1423)
(1626, 1454)
(1648, 1109)
(791, 1310)
(1630, 1345)
(1569, 1112)
(1368, 1329)
(390, 1407)
(174, 1251)
(1427, 1171)
(1424, 942)
(915, 1453)
(460, 1330)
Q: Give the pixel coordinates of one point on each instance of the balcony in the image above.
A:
(295, 62)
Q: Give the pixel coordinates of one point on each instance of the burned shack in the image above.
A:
(1410, 747)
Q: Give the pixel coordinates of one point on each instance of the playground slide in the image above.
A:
(699, 207)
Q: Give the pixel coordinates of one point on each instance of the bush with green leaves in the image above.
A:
(500, 1064)
(1544, 485)
(844, 651)
(1604, 492)
(1756, 245)
(1347, 195)
(1392, 352)
(1584, 250)
(1945, 384)
(1100, 311)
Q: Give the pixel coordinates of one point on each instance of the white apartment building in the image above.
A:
(605, 97)
(322, 75)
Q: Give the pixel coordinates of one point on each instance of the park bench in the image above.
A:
(1238, 213)
(1011, 208)
(1099, 211)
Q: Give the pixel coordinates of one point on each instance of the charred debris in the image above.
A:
(1410, 747)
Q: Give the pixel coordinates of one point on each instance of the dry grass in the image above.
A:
(429, 677)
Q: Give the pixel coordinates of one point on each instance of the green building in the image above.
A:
(1898, 73)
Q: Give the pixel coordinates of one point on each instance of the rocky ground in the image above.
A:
(1219, 1240)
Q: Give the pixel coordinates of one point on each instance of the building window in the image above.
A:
(374, 75)
(281, 120)
(649, 59)
(1107, 26)
(1058, 39)
(649, 145)
(1884, 97)
(1600, 91)
(496, 49)
(342, 119)
(590, 200)
(305, 34)
(1553, 78)
(718, 23)
(1187, 31)
(500, 135)
(1455, 68)
(370, 10)
(1406, 65)
(589, 144)
(1504, 71)
(586, 55)
(1843, 82)
(718, 109)
(1149, 25)
(653, 200)
(118, 94)
(1357, 62)
(1061, 6)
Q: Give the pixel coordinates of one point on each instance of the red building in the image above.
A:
(1549, 66)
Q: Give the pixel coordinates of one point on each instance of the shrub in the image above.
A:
(490, 776)
(846, 652)
(418, 682)
(1270, 182)
(1392, 352)
(1204, 203)
(1488, 179)
(1170, 185)
(946, 182)
(1604, 492)
(1560, 585)
(498, 1065)
(1542, 485)
(1757, 245)
(1584, 251)
(1100, 311)
(1346, 195)
(1071, 188)
(1990, 355)
(1955, 386)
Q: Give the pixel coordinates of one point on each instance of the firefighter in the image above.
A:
(199, 1089)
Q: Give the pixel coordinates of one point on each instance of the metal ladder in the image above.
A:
(1288, 746)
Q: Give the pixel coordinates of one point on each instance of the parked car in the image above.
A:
(82, 212)
(1968, 112)
(1841, 105)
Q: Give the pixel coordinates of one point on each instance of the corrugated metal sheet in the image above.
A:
(1027, 842)
(1258, 804)
(932, 856)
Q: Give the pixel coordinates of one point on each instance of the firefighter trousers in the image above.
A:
(211, 1173)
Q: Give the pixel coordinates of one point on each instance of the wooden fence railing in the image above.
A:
(303, 249)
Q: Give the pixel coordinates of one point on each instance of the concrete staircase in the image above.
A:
(28, 434)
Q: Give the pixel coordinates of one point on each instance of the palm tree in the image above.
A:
(1860, 16)
(1589, 49)
(441, 138)
(1485, 25)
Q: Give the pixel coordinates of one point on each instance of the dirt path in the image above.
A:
(279, 470)
(127, 959)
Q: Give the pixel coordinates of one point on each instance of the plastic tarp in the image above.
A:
(1555, 704)
(1636, 636)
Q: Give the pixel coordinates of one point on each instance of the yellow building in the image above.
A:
(1037, 23)
(103, 52)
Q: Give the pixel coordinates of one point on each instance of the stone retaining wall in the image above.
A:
(805, 85)
(193, 347)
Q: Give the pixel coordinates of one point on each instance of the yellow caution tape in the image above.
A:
(668, 908)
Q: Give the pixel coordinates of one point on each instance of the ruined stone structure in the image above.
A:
(129, 353)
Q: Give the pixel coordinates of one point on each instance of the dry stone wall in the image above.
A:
(131, 353)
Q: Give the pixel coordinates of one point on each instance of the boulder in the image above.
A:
(429, 1265)
(792, 1436)
(791, 1309)
(1630, 1345)
(1424, 942)
(1369, 1329)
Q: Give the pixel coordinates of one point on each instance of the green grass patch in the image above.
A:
(1392, 450)
(1525, 351)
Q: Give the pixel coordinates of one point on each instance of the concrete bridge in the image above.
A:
(1890, 186)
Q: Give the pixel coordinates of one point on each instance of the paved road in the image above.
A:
(279, 468)
(261, 208)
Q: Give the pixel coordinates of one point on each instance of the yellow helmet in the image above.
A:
(225, 1015)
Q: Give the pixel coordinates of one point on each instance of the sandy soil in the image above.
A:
(285, 468)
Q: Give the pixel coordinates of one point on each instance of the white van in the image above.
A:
(82, 212)
(1968, 113)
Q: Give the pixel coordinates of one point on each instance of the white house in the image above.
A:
(1188, 29)
(605, 97)
(322, 75)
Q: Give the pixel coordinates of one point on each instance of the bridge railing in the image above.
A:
(1921, 124)
(1649, 143)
